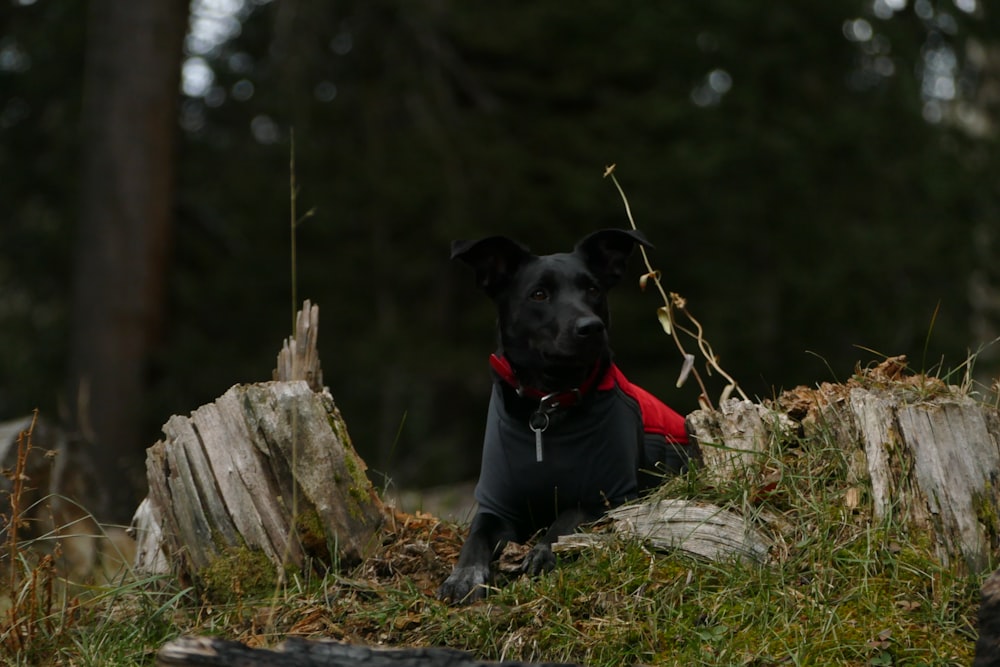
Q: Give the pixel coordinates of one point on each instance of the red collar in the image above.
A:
(501, 366)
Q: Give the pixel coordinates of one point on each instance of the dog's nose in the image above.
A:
(588, 327)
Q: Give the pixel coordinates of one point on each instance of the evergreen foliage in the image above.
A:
(798, 195)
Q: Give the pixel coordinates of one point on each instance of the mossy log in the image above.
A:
(294, 652)
(267, 468)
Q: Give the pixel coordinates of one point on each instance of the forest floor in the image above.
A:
(839, 588)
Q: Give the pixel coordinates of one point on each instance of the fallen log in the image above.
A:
(294, 652)
(699, 529)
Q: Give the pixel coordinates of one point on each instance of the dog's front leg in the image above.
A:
(469, 580)
(541, 559)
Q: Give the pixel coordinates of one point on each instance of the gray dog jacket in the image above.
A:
(598, 453)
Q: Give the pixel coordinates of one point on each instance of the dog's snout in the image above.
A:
(588, 327)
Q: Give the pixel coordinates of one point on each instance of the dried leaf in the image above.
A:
(512, 557)
(314, 621)
(663, 314)
(685, 369)
(644, 278)
(407, 621)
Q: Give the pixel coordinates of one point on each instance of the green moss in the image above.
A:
(238, 572)
(358, 485)
(986, 512)
(312, 535)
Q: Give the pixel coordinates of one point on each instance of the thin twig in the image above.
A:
(672, 301)
(293, 195)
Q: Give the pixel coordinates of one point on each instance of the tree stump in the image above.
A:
(266, 467)
(929, 452)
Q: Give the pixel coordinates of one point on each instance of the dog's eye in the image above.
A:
(593, 290)
(539, 295)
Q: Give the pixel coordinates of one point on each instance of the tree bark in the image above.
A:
(131, 83)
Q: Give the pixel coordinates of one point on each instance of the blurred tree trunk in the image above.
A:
(129, 121)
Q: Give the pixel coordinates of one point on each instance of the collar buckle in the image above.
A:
(549, 403)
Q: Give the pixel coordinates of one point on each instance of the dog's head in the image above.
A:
(552, 310)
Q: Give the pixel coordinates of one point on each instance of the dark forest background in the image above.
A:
(821, 181)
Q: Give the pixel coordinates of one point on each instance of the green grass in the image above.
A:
(840, 589)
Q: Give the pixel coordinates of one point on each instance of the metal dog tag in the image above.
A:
(538, 423)
(538, 444)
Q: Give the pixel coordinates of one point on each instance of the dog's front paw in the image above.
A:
(465, 585)
(540, 559)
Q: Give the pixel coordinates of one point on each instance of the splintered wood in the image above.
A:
(299, 355)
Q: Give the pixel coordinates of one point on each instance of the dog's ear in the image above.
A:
(606, 252)
(494, 259)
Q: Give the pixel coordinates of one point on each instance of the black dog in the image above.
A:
(567, 436)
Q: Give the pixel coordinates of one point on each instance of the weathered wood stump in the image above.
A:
(929, 453)
(268, 468)
(213, 652)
